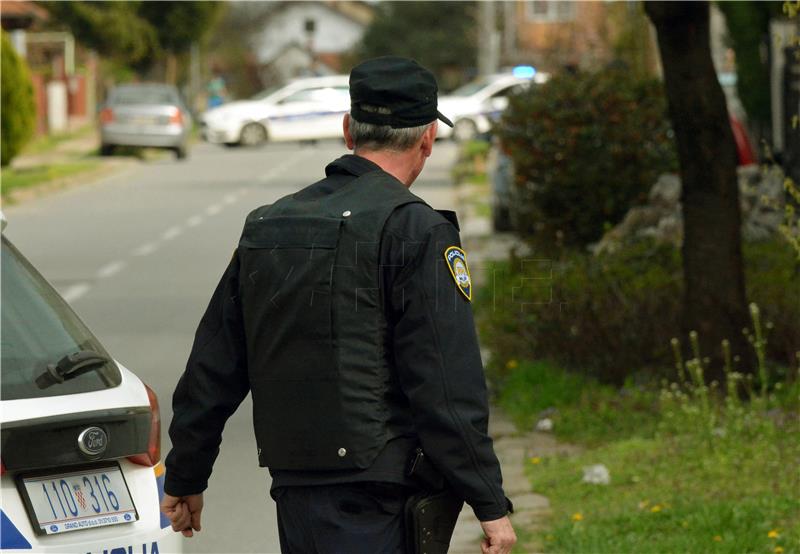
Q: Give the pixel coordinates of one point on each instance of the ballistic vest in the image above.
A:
(315, 327)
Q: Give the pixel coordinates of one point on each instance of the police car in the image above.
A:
(81, 469)
(473, 107)
(305, 109)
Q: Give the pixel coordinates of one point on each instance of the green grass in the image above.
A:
(678, 494)
(483, 209)
(525, 539)
(690, 470)
(471, 164)
(46, 143)
(583, 410)
(15, 179)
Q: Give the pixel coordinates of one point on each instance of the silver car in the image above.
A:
(140, 114)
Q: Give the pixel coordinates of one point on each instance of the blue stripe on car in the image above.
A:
(10, 537)
(160, 484)
(303, 116)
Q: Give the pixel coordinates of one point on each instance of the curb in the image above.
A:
(90, 176)
(512, 447)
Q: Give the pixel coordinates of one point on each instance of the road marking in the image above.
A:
(145, 249)
(213, 209)
(110, 269)
(75, 292)
(194, 221)
(230, 198)
(280, 168)
(171, 233)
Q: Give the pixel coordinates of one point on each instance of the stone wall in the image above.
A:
(761, 196)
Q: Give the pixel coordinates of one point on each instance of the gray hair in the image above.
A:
(383, 137)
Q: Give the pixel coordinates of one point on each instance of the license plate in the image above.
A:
(95, 496)
(143, 120)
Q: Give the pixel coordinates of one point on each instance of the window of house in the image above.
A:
(549, 10)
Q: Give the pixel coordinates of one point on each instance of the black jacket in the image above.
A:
(440, 395)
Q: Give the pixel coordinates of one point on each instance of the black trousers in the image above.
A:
(347, 518)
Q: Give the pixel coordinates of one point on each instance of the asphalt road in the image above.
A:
(138, 256)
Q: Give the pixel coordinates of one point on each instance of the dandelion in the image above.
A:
(577, 516)
(536, 460)
(512, 364)
(717, 538)
(778, 550)
(773, 534)
(655, 509)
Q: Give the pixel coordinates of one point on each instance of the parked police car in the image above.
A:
(80, 433)
(305, 109)
(475, 106)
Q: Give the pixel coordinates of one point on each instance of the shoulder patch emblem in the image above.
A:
(457, 262)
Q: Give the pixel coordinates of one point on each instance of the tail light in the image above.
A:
(176, 117)
(153, 454)
(106, 115)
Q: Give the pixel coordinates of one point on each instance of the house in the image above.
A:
(553, 34)
(309, 38)
(17, 17)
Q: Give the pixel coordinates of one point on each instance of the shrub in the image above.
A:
(18, 108)
(585, 147)
(613, 316)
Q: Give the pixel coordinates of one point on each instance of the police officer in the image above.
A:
(345, 311)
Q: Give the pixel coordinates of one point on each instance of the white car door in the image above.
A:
(312, 113)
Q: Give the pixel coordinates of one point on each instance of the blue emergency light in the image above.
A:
(524, 71)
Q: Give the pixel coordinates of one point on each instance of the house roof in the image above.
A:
(358, 11)
(19, 9)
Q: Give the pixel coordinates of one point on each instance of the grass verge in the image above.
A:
(692, 470)
(677, 494)
(14, 180)
(583, 411)
(48, 142)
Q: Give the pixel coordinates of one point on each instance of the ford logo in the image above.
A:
(93, 441)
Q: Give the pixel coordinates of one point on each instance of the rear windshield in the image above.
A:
(143, 95)
(264, 93)
(39, 328)
(471, 88)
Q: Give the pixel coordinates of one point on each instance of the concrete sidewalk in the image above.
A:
(530, 509)
(80, 149)
(84, 143)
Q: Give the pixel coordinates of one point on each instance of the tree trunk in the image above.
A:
(171, 71)
(714, 299)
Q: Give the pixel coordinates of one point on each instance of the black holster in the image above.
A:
(431, 514)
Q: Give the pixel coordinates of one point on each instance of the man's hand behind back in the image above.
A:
(500, 536)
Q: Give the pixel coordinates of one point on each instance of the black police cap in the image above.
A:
(394, 91)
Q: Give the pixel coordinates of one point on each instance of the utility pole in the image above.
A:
(194, 74)
(510, 32)
(489, 39)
